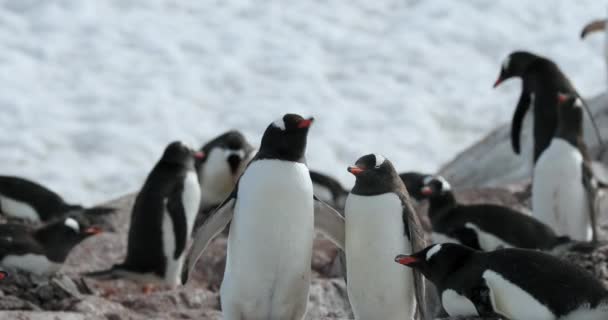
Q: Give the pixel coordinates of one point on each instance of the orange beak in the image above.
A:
(355, 170)
(199, 155)
(405, 260)
(426, 191)
(305, 123)
(93, 231)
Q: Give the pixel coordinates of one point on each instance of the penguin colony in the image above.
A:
(479, 259)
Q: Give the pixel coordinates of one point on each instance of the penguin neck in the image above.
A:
(55, 249)
(441, 204)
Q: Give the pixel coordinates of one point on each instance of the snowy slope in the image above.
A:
(91, 91)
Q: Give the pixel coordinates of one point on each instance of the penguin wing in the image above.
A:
(417, 240)
(329, 222)
(591, 185)
(213, 224)
(16, 239)
(518, 117)
(177, 212)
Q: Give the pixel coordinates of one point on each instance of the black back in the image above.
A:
(46, 202)
(448, 217)
(414, 181)
(55, 240)
(559, 285)
(542, 80)
(230, 140)
(161, 191)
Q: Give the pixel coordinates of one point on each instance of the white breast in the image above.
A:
(586, 313)
(216, 177)
(270, 241)
(487, 241)
(457, 305)
(378, 288)
(32, 263)
(18, 209)
(558, 196)
(190, 201)
(513, 302)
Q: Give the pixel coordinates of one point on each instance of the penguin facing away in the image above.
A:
(518, 284)
(24, 199)
(42, 250)
(271, 209)
(218, 170)
(564, 189)
(484, 227)
(161, 220)
(541, 81)
(379, 222)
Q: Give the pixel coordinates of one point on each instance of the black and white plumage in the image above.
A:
(24, 199)
(541, 81)
(564, 188)
(379, 222)
(414, 181)
(484, 226)
(224, 158)
(271, 229)
(42, 250)
(162, 220)
(518, 284)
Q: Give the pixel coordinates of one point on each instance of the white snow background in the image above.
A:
(91, 91)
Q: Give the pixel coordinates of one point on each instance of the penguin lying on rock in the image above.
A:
(24, 199)
(42, 250)
(483, 226)
(517, 284)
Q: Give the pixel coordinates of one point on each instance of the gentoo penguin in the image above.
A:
(483, 226)
(270, 241)
(594, 26)
(42, 250)
(379, 222)
(328, 189)
(24, 199)
(541, 81)
(563, 189)
(161, 221)
(3, 275)
(218, 170)
(414, 181)
(518, 284)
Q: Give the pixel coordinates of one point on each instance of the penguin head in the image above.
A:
(374, 174)
(515, 65)
(437, 261)
(285, 138)
(435, 186)
(180, 154)
(69, 230)
(414, 182)
(231, 147)
(594, 26)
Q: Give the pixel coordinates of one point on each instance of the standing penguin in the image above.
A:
(24, 199)
(218, 170)
(483, 226)
(563, 189)
(162, 220)
(42, 250)
(541, 81)
(517, 284)
(597, 25)
(267, 272)
(379, 222)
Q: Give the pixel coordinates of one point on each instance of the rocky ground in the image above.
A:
(68, 296)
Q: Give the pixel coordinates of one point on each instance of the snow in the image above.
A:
(91, 91)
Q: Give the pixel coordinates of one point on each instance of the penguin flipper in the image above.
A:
(329, 222)
(518, 118)
(480, 296)
(177, 212)
(591, 185)
(214, 224)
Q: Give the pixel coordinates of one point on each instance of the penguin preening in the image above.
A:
(564, 189)
(224, 158)
(484, 227)
(161, 221)
(272, 224)
(379, 222)
(41, 250)
(24, 199)
(541, 81)
(594, 26)
(518, 284)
